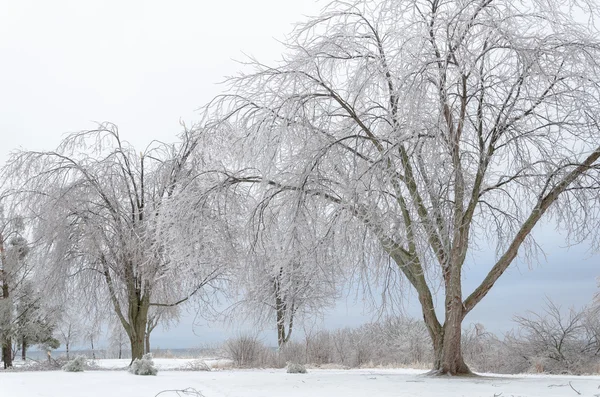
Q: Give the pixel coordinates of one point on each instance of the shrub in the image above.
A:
(293, 368)
(145, 366)
(76, 365)
(294, 352)
(246, 351)
(196, 365)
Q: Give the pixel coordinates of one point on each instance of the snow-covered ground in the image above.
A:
(166, 363)
(275, 383)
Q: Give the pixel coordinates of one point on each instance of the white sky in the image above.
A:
(146, 64)
(142, 64)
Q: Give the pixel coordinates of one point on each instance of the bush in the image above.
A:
(196, 365)
(294, 352)
(293, 368)
(145, 366)
(76, 365)
(246, 351)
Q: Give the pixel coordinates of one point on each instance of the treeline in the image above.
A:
(554, 341)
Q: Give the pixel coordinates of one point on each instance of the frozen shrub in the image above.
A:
(318, 348)
(76, 365)
(292, 352)
(293, 368)
(145, 366)
(245, 351)
(196, 365)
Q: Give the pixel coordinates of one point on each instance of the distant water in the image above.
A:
(39, 355)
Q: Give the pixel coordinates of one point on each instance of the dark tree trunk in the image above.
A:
(446, 340)
(281, 306)
(135, 319)
(137, 348)
(147, 338)
(93, 351)
(7, 341)
(24, 349)
(448, 355)
(138, 320)
(7, 352)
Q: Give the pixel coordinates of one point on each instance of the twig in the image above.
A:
(574, 389)
(190, 391)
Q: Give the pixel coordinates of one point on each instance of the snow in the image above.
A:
(276, 382)
(163, 363)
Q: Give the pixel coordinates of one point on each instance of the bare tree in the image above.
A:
(13, 271)
(556, 341)
(68, 334)
(290, 273)
(96, 204)
(117, 338)
(422, 123)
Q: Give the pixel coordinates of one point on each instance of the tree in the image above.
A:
(290, 273)
(556, 341)
(429, 128)
(70, 325)
(91, 332)
(34, 320)
(118, 338)
(13, 250)
(95, 204)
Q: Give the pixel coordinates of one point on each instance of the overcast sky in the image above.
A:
(144, 65)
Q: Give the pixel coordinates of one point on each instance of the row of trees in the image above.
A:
(393, 138)
(111, 225)
(553, 340)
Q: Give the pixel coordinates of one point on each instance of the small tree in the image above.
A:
(555, 341)
(117, 339)
(48, 346)
(290, 274)
(35, 322)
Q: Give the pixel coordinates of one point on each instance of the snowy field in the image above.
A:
(275, 383)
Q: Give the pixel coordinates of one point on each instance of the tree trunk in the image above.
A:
(67, 349)
(24, 349)
(448, 357)
(93, 351)
(446, 339)
(147, 338)
(137, 330)
(280, 329)
(137, 347)
(280, 310)
(6, 340)
(447, 347)
(7, 352)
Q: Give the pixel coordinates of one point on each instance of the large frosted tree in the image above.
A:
(96, 206)
(430, 127)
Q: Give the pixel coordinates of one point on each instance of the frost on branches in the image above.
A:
(412, 126)
(96, 205)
